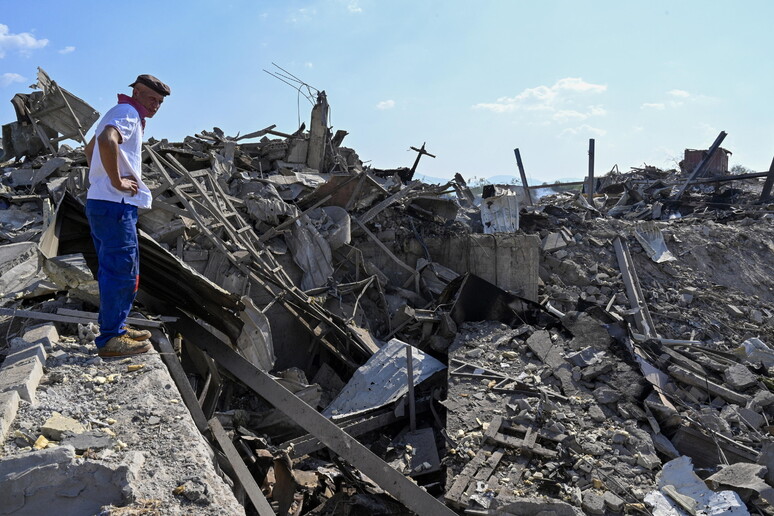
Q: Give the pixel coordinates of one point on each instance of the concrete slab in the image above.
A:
(18, 267)
(45, 334)
(22, 377)
(9, 404)
(38, 482)
(25, 353)
(70, 272)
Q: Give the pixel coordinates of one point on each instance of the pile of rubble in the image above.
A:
(602, 352)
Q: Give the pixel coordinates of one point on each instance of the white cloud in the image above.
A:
(308, 64)
(354, 6)
(583, 129)
(679, 93)
(10, 78)
(557, 100)
(386, 104)
(302, 15)
(67, 50)
(565, 115)
(677, 99)
(24, 42)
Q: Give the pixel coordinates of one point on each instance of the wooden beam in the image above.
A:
(243, 474)
(523, 175)
(406, 491)
(82, 317)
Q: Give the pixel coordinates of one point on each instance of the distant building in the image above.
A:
(717, 166)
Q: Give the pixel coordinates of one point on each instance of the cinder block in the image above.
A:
(32, 351)
(22, 377)
(9, 404)
(45, 334)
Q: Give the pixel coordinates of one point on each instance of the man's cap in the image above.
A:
(152, 83)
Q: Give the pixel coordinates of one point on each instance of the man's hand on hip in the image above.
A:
(126, 184)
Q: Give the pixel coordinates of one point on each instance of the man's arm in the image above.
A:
(108, 141)
(89, 150)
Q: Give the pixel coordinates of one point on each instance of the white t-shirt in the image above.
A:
(127, 121)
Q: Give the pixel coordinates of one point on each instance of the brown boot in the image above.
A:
(137, 334)
(122, 346)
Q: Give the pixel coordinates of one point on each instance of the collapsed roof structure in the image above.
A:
(600, 351)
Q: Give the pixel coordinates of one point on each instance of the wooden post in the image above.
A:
(766, 192)
(590, 186)
(523, 176)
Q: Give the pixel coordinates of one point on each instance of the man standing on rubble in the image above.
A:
(115, 193)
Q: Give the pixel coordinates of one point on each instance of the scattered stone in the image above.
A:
(195, 490)
(57, 425)
(739, 377)
(605, 394)
(93, 440)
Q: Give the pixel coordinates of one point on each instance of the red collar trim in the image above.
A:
(126, 99)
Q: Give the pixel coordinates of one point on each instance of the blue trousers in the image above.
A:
(114, 231)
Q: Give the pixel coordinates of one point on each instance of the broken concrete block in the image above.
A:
(677, 477)
(45, 334)
(593, 371)
(18, 266)
(71, 273)
(751, 417)
(55, 427)
(586, 331)
(734, 311)
(593, 502)
(640, 442)
(665, 446)
(9, 404)
(766, 458)
(553, 242)
(25, 353)
(613, 502)
(762, 399)
(596, 413)
(71, 487)
(739, 377)
(604, 394)
(745, 478)
(22, 377)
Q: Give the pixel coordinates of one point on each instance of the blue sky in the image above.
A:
(472, 79)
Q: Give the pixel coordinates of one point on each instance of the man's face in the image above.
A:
(148, 98)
